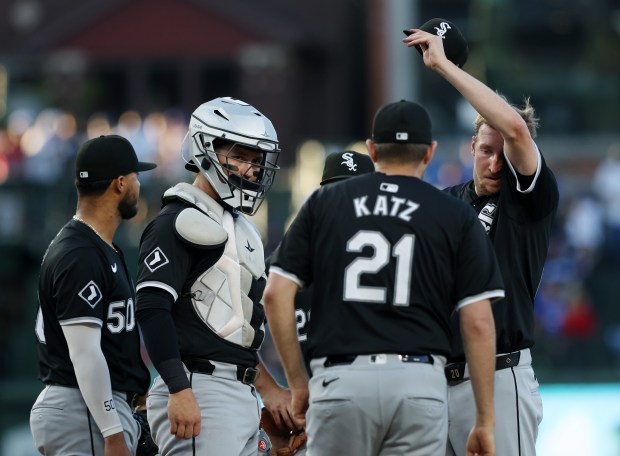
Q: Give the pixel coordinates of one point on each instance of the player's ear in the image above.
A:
(430, 151)
(371, 150)
(119, 184)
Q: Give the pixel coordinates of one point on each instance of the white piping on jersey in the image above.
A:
(514, 173)
(159, 285)
(287, 275)
(493, 295)
(81, 320)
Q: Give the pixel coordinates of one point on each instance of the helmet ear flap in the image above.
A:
(190, 166)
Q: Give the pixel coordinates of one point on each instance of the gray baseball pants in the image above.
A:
(518, 410)
(61, 423)
(230, 415)
(377, 405)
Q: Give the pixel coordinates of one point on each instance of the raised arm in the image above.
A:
(519, 145)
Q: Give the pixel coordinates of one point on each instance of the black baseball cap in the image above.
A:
(454, 43)
(402, 122)
(107, 157)
(341, 165)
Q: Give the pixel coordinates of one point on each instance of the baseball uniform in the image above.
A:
(212, 296)
(518, 221)
(389, 259)
(84, 280)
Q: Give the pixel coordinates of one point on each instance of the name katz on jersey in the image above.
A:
(386, 206)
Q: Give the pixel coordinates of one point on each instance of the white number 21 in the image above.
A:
(402, 251)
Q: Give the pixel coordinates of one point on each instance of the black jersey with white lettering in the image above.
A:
(519, 220)
(389, 258)
(171, 264)
(303, 300)
(83, 280)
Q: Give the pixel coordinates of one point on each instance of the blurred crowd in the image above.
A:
(575, 305)
(40, 148)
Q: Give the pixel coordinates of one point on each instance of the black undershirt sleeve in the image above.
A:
(160, 337)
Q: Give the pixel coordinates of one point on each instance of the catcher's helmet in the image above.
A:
(231, 122)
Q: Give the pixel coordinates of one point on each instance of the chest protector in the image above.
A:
(226, 297)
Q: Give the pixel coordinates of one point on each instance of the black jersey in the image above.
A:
(83, 280)
(519, 220)
(389, 258)
(303, 301)
(171, 264)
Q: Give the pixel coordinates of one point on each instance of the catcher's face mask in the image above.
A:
(221, 135)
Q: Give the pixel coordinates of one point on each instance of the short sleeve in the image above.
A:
(81, 287)
(293, 256)
(164, 260)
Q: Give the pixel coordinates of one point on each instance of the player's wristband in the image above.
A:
(173, 373)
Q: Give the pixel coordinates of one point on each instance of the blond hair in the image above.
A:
(527, 113)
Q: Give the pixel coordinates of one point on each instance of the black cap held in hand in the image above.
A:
(341, 165)
(454, 43)
(402, 122)
(107, 157)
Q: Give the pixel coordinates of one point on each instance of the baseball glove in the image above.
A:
(284, 441)
(146, 445)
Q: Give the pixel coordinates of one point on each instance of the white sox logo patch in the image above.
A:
(348, 161)
(91, 294)
(156, 259)
(442, 29)
(487, 215)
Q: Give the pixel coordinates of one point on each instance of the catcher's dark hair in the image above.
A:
(94, 188)
(400, 153)
(219, 142)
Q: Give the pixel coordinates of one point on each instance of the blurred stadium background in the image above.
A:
(74, 69)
